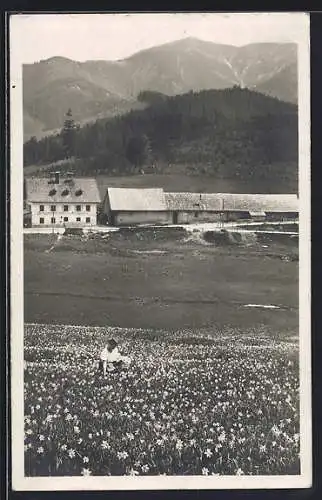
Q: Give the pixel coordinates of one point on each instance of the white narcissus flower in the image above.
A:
(179, 444)
(222, 437)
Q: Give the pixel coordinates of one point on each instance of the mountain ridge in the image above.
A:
(107, 88)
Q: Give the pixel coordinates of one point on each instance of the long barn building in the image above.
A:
(126, 207)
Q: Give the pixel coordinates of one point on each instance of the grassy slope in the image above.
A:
(196, 183)
(189, 285)
(181, 182)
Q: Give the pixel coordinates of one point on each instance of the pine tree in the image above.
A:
(68, 134)
(138, 150)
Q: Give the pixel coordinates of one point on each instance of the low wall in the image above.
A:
(224, 237)
(208, 217)
(137, 218)
(195, 217)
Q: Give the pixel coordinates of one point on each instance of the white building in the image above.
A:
(62, 201)
(140, 206)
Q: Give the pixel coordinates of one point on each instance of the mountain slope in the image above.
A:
(52, 87)
(108, 88)
(282, 83)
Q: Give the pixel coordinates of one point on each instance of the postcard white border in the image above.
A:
(21, 483)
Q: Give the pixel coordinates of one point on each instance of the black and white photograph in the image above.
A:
(160, 251)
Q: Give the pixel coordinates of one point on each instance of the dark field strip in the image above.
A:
(147, 300)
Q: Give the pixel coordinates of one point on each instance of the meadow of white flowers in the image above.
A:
(190, 403)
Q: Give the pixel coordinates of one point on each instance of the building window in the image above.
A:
(65, 219)
(65, 208)
(78, 219)
(88, 208)
(78, 208)
(53, 220)
(196, 214)
(53, 208)
(41, 220)
(88, 219)
(42, 208)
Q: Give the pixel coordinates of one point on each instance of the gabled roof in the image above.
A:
(255, 203)
(80, 190)
(141, 200)
(258, 203)
(193, 201)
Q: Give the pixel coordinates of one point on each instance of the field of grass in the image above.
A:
(217, 402)
(159, 279)
(178, 181)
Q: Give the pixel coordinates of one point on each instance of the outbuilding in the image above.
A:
(143, 206)
(195, 207)
(261, 207)
(215, 207)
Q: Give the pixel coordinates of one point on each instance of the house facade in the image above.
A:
(62, 201)
(127, 207)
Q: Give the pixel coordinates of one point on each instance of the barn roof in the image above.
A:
(254, 203)
(141, 200)
(79, 190)
(257, 203)
(193, 201)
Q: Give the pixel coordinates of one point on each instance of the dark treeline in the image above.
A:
(232, 132)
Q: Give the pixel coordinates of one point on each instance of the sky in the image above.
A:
(115, 36)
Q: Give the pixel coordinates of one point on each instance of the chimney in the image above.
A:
(51, 178)
(69, 177)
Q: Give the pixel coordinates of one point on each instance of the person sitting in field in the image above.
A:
(111, 358)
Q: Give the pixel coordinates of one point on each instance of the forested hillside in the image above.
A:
(227, 133)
